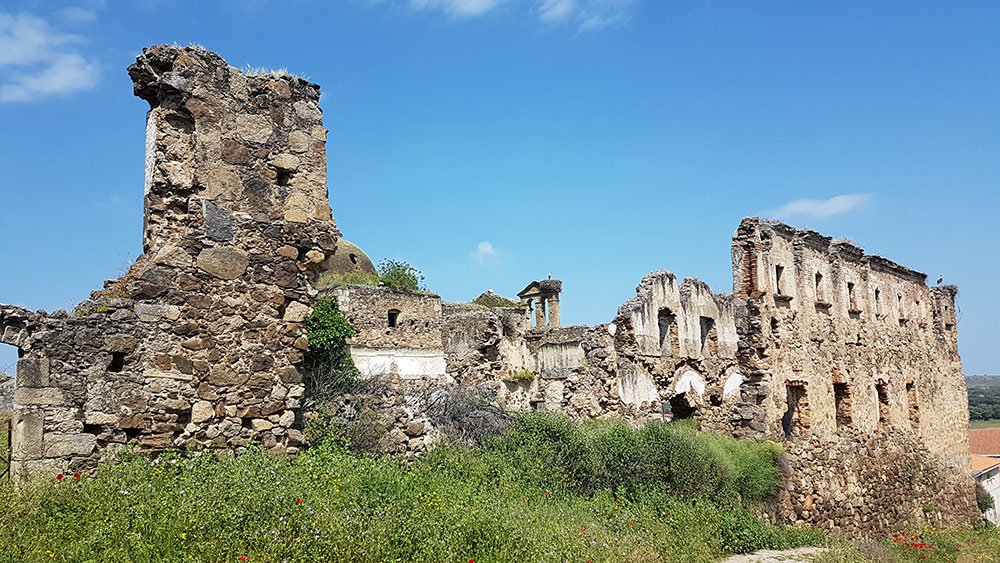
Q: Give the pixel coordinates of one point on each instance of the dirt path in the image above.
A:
(800, 555)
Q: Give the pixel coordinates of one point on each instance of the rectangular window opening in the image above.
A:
(842, 400)
(778, 271)
(795, 421)
(667, 324)
(709, 337)
(882, 390)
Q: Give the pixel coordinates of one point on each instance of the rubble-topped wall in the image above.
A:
(853, 350)
(199, 343)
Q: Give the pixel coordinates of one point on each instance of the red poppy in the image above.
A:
(59, 477)
(76, 475)
(298, 501)
(471, 560)
(546, 493)
(631, 523)
(618, 502)
(243, 557)
(583, 528)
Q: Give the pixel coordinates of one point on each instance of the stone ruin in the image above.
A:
(849, 360)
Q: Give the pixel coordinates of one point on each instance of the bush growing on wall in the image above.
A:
(396, 274)
(329, 368)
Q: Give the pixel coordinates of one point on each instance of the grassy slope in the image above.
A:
(546, 491)
(515, 499)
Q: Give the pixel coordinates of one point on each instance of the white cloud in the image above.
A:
(602, 14)
(77, 15)
(822, 208)
(584, 15)
(457, 8)
(552, 11)
(37, 61)
(485, 253)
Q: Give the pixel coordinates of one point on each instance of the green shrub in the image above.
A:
(494, 502)
(399, 275)
(521, 376)
(329, 367)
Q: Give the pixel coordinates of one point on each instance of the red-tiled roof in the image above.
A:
(984, 441)
(981, 463)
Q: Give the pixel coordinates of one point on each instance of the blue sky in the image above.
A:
(490, 142)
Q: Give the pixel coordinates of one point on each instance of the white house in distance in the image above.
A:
(984, 445)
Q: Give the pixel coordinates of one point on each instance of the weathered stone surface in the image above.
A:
(150, 312)
(296, 312)
(223, 263)
(218, 226)
(27, 396)
(33, 372)
(63, 445)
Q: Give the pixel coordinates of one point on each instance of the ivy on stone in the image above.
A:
(330, 369)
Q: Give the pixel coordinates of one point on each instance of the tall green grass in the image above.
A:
(547, 490)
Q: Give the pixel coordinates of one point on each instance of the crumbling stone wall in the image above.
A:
(860, 362)
(850, 360)
(199, 343)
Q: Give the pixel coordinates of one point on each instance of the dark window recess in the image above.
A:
(882, 389)
(680, 407)
(285, 177)
(851, 301)
(353, 257)
(667, 323)
(393, 318)
(709, 337)
(819, 286)
(796, 418)
(117, 362)
(778, 270)
(842, 400)
(878, 302)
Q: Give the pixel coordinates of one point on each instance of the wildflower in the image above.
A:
(631, 523)
(59, 477)
(471, 560)
(243, 557)
(546, 493)
(76, 475)
(618, 502)
(583, 528)
(298, 501)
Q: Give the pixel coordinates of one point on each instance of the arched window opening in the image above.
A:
(393, 318)
(666, 321)
(353, 257)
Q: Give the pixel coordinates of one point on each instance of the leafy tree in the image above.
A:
(396, 274)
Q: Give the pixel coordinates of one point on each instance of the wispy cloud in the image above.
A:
(485, 253)
(583, 15)
(37, 61)
(457, 8)
(822, 208)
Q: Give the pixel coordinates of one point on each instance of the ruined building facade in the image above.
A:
(849, 360)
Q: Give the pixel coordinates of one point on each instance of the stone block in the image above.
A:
(122, 343)
(64, 445)
(223, 263)
(32, 372)
(296, 312)
(218, 226)
(149, 312)
(26, 435)
(202, 411)
(25, 396)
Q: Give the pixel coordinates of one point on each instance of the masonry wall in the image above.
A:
(859, 357)
(199, 343)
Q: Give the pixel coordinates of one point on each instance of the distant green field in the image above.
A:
(984, 398)
(984, 424)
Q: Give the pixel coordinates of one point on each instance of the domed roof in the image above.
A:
(348, 257)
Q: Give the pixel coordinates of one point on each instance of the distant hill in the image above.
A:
(984, 397)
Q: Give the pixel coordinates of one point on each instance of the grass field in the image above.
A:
(984, 424)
